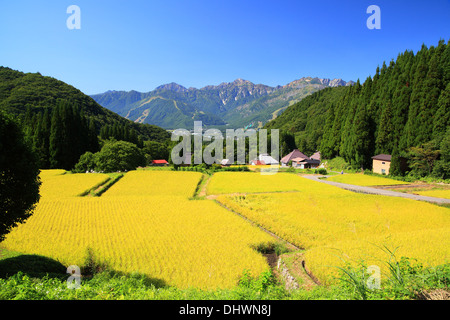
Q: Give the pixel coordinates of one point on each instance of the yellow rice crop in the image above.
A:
(56, 185)
(51, 172)
(145, 223)
(364, 180)
(182, 242)
(429, 246)
(326, 222)
(146, 183)
(262, 167)
(253, 182)
(435, 193)
(310, 220)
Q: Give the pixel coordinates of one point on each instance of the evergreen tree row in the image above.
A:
(406, 104)
(120, 132)
(61, 136)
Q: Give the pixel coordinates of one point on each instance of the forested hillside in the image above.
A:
(405, 105)
(61, 123)
(19, 91)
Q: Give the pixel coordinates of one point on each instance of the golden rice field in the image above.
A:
(330, 223)
(147, 223)
(364, 180)
(57, 185)
(438, 193)
(51, 172)
(262, 167)
(242, 182)
(154, 183)
(149, 227)
(427, 246)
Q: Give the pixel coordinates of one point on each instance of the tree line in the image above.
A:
(61, 135)
(403, 110)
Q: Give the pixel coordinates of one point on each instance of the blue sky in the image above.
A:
(139, 45)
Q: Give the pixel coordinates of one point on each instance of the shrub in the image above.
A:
(119, 156)
(322, 171)
(337, 164)
(87, 162)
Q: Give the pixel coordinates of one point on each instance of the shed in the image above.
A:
(267, 159)
(381, 163)
(159, 163)
(257, 163)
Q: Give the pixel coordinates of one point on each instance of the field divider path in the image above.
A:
(377, 191)
(108, 184)
(88, 192)
(200, 191)
(305, 272)
(214, 198)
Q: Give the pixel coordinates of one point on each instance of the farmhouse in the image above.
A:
(257, 163)
(159, 163)
(295, 154)
(381, 163)
(305, 163)
(300, 160)
(316, 156)
(267, 159)
(264, 159)
(225, 162)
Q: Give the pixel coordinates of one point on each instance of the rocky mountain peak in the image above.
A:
(240, 81)
(172, 87)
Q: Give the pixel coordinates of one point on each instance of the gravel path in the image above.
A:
(370, 190)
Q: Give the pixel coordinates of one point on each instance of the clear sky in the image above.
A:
(139, 45)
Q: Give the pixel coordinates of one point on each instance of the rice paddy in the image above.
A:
(148, 223)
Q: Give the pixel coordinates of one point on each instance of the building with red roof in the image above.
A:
(159, 163)
(257, 163)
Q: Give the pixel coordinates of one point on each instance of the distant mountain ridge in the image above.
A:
(236, 104)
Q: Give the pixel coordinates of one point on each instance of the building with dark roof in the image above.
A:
(381, 163)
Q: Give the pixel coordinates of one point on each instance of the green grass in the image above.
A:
(41, 278)
(201, 184)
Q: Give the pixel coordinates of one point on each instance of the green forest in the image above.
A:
(403, 110)
(61, 123)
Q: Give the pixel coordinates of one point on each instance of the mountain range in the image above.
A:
(237, 104)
